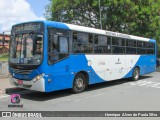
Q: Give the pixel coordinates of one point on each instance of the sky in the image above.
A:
(16, 11)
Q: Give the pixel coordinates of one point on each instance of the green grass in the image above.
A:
(4, 57)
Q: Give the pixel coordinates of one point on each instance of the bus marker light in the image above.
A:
(49, 80)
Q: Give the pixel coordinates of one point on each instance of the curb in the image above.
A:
(2, 91)
(158, 69)
(13, 90)
(4, 76)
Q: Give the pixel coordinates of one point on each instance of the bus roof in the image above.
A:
(96, 31)
(104, 32)
(92, 30)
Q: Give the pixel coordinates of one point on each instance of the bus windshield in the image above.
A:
(26, 49)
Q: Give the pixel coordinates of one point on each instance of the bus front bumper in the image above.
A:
(31, 85)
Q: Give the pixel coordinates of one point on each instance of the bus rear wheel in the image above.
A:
(136, 74)
(79, 83)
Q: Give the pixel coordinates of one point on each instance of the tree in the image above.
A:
(75, 12)
(136, 17)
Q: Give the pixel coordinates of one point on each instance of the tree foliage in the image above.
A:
(136, 17)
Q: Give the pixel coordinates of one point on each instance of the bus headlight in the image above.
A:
(38, 77)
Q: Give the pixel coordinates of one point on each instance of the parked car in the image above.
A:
(157, 62)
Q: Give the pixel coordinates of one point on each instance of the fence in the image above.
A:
(4, 69)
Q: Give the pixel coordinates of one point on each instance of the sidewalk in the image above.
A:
(158, 69)
(7, 88)
(4, 83)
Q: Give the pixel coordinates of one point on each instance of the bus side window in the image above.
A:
(63, 42)
(102, 44)
(58, 44)
(82, 42)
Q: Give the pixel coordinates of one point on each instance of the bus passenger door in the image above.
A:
(58, 53)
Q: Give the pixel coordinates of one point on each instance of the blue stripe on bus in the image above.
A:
(56, 25)
(152, 40)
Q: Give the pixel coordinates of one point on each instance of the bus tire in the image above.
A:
(135, 74)
(79, 83)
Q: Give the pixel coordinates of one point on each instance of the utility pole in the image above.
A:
(100, 14)
(3, 40)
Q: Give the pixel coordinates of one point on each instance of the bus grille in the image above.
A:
(26, 86)
(22, 71)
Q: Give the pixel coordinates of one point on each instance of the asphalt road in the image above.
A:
(119, 95)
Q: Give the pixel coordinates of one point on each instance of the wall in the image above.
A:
(3, 69)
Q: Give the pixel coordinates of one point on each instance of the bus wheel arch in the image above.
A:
(136, 73)
(80, 82)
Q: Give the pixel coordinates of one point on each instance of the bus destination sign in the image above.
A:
(27, 26)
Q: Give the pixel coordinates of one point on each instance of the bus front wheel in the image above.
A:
(136, 74)
(79, 83)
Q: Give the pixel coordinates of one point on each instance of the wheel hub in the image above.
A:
(79, 82)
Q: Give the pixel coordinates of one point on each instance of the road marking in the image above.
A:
(96, 95)
(86, 97)
(78, 100)
(146, 84)
(4, 96)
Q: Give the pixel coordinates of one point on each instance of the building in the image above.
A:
(4, 48)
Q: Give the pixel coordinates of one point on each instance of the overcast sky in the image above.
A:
(16, 11)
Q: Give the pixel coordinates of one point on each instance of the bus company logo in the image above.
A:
(15, 98)
(117, 34)
(118, 62)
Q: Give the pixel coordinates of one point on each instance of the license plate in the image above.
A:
(20, 82)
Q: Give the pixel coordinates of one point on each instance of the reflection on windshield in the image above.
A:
(26, 49)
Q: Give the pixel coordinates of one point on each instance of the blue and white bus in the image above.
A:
(48, 56)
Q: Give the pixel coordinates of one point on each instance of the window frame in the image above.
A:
(58, 35)
(84, 44)
(123, 45)
(106, 45)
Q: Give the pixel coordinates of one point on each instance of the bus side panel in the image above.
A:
(150, 64)
(145, 63)
(58, 82)
(112, 67)
(63, 72)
